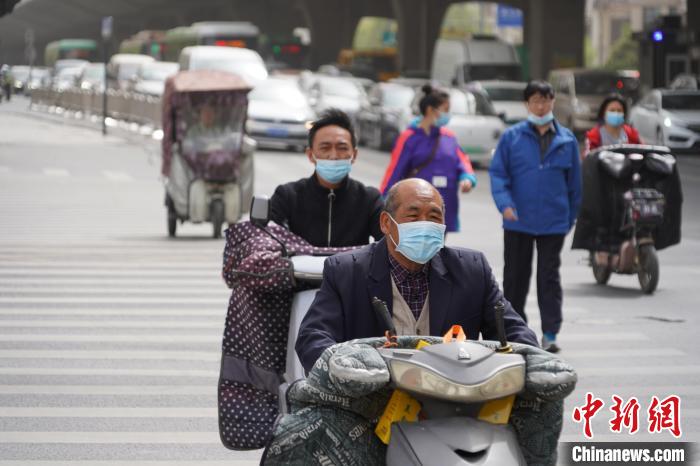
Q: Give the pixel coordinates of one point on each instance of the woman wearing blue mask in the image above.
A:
(428, 150)
(611, 128)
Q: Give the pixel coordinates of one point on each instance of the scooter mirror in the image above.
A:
(260, 211)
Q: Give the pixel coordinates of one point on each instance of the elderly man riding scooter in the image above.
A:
(427, 287)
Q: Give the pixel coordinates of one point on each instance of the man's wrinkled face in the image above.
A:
(417, 201)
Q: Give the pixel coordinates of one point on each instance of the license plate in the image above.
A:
(277, 132)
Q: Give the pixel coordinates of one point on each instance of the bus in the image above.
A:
(144, 43)
(241, 34)
(82, 49)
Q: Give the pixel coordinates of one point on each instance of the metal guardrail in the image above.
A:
(122, 105)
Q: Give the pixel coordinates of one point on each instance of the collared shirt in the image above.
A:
(544, 139)
(413, 286)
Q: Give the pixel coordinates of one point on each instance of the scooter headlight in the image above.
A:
(416, 379)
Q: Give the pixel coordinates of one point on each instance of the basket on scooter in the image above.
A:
(645, 206)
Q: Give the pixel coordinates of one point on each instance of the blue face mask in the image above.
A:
(615, 118)
(333, 171)
(540, 120)
(443, 119)
(419, 241)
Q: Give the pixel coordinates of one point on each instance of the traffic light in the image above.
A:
(657, 35)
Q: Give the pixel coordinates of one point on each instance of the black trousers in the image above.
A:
(518, 269)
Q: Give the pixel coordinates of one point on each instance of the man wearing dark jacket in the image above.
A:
(427, 287)
(329, 208)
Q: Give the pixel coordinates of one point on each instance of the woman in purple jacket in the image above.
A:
(428, 150)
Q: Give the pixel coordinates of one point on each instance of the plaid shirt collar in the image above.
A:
(413, 286)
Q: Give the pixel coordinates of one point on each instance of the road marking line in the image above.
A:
(219, 312)
(86, 292)
(116, 300)
(132, 273)
(120, 177)
(637, 370)
(57, 172)
(27, 282)
(81, 412)
(623, 352)
(62, 371)
(144, 390)
(112, 355)
(117, 338)
(231, 462)
(176, 438)
(107, 324)
(63, 263)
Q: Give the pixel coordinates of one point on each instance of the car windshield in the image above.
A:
(20, 74)
(398, 96)
(461, 103)
(246, 69)
(604, 83)
(278, 92)
(340, 88)
(479, 72)
(483, 105)
(158, 72)
(96, 72)
(128, 70)
(509, 94)
(689, 101)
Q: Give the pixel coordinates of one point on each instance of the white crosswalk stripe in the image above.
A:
(124, 297)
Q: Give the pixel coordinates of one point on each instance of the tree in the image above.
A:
(625, 53)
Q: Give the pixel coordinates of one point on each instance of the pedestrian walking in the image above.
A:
(536, 185)
(428, 150)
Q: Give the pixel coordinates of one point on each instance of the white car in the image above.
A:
(475, 124)
(279, 115)
(337, 92)
(507, 98)
(244, 62)
(670, 118)
(151, 77)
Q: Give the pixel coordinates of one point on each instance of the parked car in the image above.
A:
(579, 93)
(337, 92)
(150, 78)
(685, 81)
(40, 77)
(67, 78)
(387, 113)
(476, 124)
(123, 67)
(92, 77)
(279, 114)
(507, 98)
(670, 118)
(244, 62)
(68, 63)
(20, 76)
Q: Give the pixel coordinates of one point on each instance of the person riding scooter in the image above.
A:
(329, 208)
(427, 287)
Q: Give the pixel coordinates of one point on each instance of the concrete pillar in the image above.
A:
(332, 24)
(554, 33)
(419, 23)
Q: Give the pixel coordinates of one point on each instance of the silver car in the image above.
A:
(670, 118)
(279, 115)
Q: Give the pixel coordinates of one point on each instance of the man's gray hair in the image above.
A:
(391, 202)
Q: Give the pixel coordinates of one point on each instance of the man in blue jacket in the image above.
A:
(536, 184)
(427, 287)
